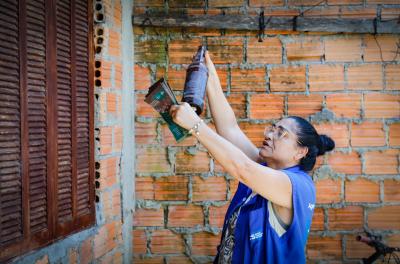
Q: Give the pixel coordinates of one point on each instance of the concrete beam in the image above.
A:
(242, 22)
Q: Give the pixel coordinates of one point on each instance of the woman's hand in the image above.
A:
(213, 82)
(210, 65)
(184, 115)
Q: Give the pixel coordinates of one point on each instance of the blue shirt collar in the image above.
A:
(292, 168)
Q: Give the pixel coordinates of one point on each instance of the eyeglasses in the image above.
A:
(278, 132)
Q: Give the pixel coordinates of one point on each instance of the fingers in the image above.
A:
(208, 59)
(207, 56)
(174, 109)
(210, 64)
(176, 112)
(185, 104)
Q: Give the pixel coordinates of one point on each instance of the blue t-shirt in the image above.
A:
(255, 239)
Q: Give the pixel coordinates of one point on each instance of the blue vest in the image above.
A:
(255, 240)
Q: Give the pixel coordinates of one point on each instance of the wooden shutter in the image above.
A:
(46, 122)
(73, 188)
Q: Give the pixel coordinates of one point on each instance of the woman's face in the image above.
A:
(280, 143)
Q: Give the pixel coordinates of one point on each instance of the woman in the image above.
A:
(269, 217)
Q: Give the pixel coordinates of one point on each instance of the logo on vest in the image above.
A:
(311, 206)
(256, 235)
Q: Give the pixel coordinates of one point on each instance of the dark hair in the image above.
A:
(308, 137)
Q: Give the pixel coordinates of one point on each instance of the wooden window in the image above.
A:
(46, 122)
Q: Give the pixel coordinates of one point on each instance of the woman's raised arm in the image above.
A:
(272, 184)
(223, 115)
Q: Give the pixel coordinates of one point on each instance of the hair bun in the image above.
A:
(326, 144)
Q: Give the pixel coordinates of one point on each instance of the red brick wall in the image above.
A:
(347, 85)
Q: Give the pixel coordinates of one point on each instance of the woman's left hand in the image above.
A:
(184, 115)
